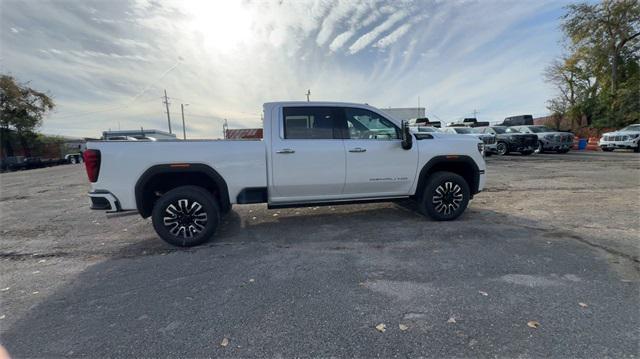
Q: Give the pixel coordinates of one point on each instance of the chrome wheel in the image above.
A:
(184, 218)
(447, 198)
(501, 148)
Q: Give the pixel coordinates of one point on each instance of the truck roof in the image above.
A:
(317, 103)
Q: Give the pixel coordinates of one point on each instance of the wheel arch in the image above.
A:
(164, 177)
(463, 165)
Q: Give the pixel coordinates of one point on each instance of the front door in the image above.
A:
(376, 163)
(307, 155)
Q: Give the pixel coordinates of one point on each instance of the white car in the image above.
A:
(628, 137)
(489, 140)
(312, 153)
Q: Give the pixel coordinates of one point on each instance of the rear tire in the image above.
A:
(445, 196)
(186, 216)
(637, 149)
(540, 147)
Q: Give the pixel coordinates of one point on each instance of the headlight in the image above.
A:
(481, 147)
(631, 137)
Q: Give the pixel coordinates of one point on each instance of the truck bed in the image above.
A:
(123, 162)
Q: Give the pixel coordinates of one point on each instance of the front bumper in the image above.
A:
(492, 148)
(104, 201)
(555, 145)
(629, 144)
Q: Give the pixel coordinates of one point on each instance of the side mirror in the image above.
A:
(407, 138)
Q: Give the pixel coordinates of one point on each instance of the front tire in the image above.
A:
(186, 216)
(445, 196)
(502, 148)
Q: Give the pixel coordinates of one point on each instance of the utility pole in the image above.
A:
(225, 126)
(308, 94)
(418, 115)
(184, 132)
(166, 102)
(475, 114)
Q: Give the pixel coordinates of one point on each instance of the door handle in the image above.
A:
(358, 149)
(285, 150)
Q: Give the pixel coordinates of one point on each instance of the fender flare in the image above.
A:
(451, 159)
(155, 170)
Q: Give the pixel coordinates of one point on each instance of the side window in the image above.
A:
(309, 122)
(367, 125)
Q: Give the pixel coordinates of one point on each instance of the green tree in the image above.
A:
(599, 79)
(21, 109)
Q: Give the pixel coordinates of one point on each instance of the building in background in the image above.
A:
(243, 134)
(140, 134)
(405, 113)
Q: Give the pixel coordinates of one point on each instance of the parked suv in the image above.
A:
(511, 140)
(489, 140)
(628, 137)
(548, 139)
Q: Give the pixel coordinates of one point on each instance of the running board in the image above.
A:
(335, 202)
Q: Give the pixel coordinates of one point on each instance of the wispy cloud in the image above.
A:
(366, 39)
(106, 63)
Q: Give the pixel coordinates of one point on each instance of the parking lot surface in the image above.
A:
(545, 262)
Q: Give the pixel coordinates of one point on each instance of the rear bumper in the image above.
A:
(104, 201)
(519, 147)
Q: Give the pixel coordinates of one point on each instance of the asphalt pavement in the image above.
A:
(545, 262)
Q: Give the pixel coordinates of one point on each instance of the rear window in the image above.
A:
(309, 122)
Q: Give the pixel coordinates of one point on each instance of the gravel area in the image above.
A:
(553, 239)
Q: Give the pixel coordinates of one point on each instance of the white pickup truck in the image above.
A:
(312, 153)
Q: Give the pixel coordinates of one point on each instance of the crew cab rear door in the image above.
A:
(307, 155)
(377, 165)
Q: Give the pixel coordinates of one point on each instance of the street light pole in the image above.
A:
(184, 131)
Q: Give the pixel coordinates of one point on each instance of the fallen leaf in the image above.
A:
(42, 261)
(583, 305)
(253, 217)
(403, 327)
(251, 280)
(483, 293)
(5, 289)
(381, 327)
(224, 342)
(533, 324)
(451, 320)
(2, 316)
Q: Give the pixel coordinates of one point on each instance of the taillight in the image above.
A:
(92, 164)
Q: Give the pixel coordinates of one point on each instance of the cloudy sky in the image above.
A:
(107, 63)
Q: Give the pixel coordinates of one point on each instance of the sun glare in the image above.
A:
(223, 24)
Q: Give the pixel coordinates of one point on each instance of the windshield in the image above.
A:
(426, 129)
(540, 129)
(499, 129)
(511, 130)
(631, 128)
(462, 130)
